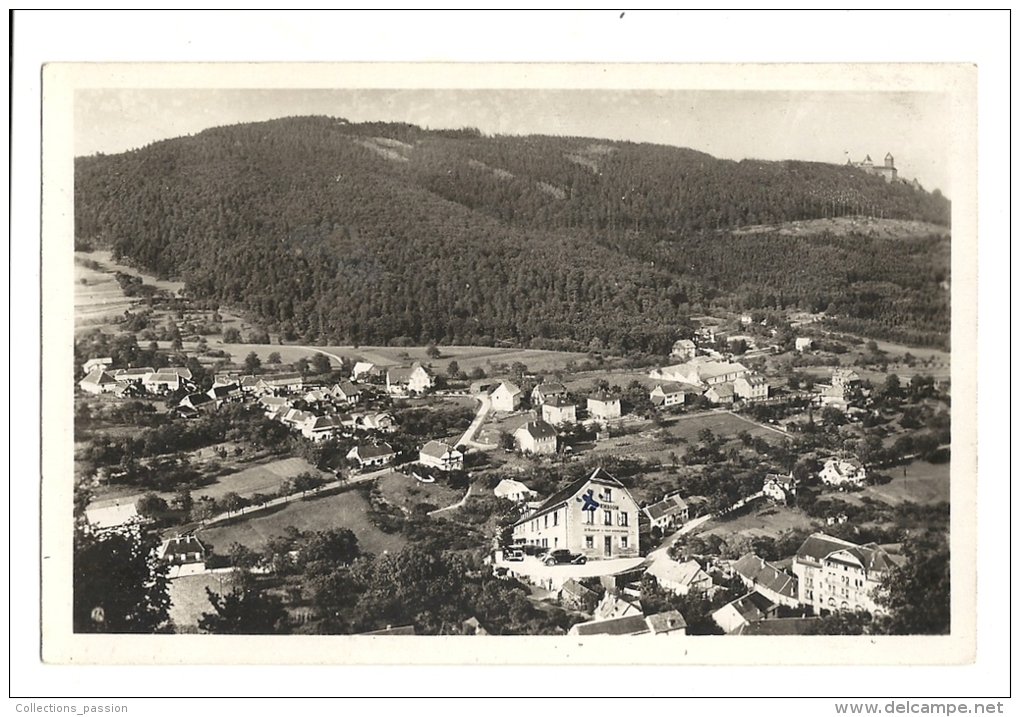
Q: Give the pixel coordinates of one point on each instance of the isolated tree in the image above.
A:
(274, 357)
(231, 336)
(453, 369)
(433, 352)
(333, 547)
(301, 365)
(230, 502)
(252, 363)
(120, 585)
(321, 363)
(150, 505)
(182, 500)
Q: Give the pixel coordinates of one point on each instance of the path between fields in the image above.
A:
(458, 504)
(468, 439)
(252, 509)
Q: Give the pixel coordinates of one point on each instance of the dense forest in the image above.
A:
(328, 231)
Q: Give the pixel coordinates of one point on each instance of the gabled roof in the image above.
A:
(183, 545)
(780, 626)
(274, 379)
(346, 388)
(548, 389)
(163, 377)
(753, 380)
(752, 607)
(511, 388)
(820, 546)
(221, 391)
(508, 486)
(664, 622)
(181, 371)
(572, 587)
(250, 381)
(722, 390)
(630, 625)
(373, 451)
(560, 497)
(671, 505)
(323, 423)
(670, 571)
(129, 372)
(196, 399)
(603, 397)
(768, 576)
(437, 449)
(274, 401)
(671, 387)
(99, 377)
(557, 401)
(714, 369)
(538, 429)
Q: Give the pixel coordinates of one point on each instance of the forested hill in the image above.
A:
(376, 233)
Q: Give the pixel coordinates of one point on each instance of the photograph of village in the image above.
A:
(491, 363)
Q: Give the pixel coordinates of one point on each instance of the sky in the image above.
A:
(824, 126)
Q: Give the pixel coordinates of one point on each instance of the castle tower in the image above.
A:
(889, 161)
(867, 161)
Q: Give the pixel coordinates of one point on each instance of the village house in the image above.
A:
(615, 604)
(442, 456)
(274, 405)
(94, 363)
(281, 383)
(407, 380)
(835, 574)
(734, 616)
(594, 516)
(222, 394)
(575, 596)
(381, 421)
(181, 550)
(603, 407)
(133, 375)
(364, 370)
(506, 397)
(843, 471)
(720, 393)
(372, 455)
(683, 350)
(98, 381)
(669, 513)
(845, 381)
(196, 401)
(701, 371)
(777, 585)
(681, 578)
(514, 491)
(779, 487)
(322, 428)
(751, 388)
(295, 418)
(545, 391)
(802, 343)
(557, 411)
(347, 392)
(672, 394)
(630, 625)
(163, 381)
(670, 623)
(536, 437)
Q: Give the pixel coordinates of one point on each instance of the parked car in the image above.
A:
(513, 556)
(557, 557)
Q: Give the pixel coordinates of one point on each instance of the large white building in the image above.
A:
(594, 516)
(834, 574)
(506, 397)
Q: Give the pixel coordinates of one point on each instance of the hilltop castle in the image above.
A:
(886, 170)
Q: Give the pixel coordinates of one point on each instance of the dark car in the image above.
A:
(557, 557)
(513, 556)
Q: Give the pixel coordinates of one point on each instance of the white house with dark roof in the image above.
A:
(778, 487)
(347, 392)
(94, 363)
(134, 375)
(322, 428)
(683, 350)
(672, 394)
(441, 455)
(720, 393)
(603, 406)
(835, 574)
(506, 397)
(751, 608)
(595, 516)
(669, 513)
(544, 391)
(536, 437)
(777, 585)
(163, 381)
(372, 455)
(557, 411)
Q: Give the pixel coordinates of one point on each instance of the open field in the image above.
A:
(721, 423)
(924, 483)
(264, 478)
(347, 509)
(764, 519)
(405, 492)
